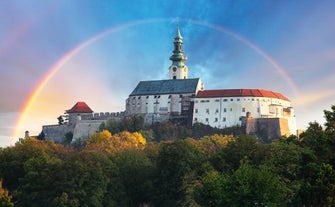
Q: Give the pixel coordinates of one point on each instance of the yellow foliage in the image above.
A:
(114, 143)
(99, 137)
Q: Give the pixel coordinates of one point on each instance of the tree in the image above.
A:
(60, 120)
(256, 186)
(241, 147)
(247, 186)
(84, 179)
(105, 141)
(5, 198)
(40, 184)
(134, 175)
(179, 164)
(330, 120)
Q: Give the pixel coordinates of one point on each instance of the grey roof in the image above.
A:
(172, 86)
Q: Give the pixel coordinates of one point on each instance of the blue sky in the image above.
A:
(229, 44)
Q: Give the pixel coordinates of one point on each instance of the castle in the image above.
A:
(184, 100)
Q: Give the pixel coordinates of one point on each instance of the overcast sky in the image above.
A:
(99, 50)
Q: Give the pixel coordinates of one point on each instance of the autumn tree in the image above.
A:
(5, 198)
(113, 143)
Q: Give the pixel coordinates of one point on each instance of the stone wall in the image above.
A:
(81, 126)
(85, 128)
(267, 129)
(56, 132)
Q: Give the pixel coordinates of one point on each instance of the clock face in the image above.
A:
(174, 69)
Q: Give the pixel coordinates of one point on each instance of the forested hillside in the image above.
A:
(157, 167)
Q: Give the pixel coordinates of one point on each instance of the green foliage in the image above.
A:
(178, 165)
(330, 120)
(131, 124)
(68, 138)
(135, 174)
(37, 187)
(242, 147)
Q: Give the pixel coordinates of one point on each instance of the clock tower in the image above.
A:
(178, 70)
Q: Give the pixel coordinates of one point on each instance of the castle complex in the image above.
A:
(184, 100)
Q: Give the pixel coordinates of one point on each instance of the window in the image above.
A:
(155, 96)
(224, 110)
(195, 119)
(196, 111)
(243, 109)
(216, 120)
(217, 100)
(223, 118)
(258, 109)
(139, 97)
(207, 111)
(147, 97)
(231, 109)
(206, 119)
(238, 99)
(225, 100)
(231, 99)
(217, 111)
(180, 96)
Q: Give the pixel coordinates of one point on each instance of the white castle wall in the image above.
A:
(223, 112)
(156, 108)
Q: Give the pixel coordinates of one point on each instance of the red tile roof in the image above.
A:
(80, 107)
(240, 93)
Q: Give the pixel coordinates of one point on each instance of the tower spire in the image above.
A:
(178, 69)
(178, 32)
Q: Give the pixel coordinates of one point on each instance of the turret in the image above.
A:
(178, 70)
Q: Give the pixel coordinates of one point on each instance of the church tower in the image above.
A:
(178, 70)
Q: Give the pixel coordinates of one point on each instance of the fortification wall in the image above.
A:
(108, 115)
(81, 125)
(267, 129)
(85, 128)
(56, 132)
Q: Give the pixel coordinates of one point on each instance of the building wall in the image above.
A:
(157, 108)
(223, 112)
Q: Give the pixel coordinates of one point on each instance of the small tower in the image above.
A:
(79, 111)
(178, 70)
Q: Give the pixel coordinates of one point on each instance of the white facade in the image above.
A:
(178, 72)
(162, 100)
(156, 104)
(224, 112)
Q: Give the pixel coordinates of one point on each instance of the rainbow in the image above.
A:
(58, 65)
(276, 65)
